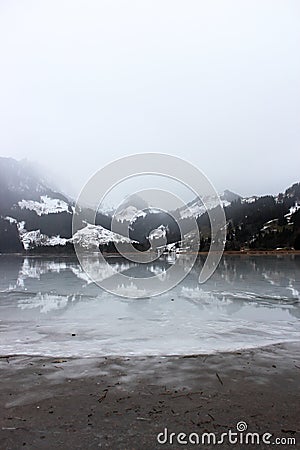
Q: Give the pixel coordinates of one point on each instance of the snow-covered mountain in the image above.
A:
(196, 207)
(45, 205)
(91, 236)
(131, 208)
(36, 216)
(31, 212)
(129, 214)
(19, 181)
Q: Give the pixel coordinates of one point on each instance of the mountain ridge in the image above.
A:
(35, 217)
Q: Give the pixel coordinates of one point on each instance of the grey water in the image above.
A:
(49, 306)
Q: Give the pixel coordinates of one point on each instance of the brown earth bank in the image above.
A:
(125, 402)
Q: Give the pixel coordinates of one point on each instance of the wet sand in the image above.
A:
(123, 403)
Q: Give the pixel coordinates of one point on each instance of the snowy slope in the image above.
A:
(46, 205)
(293, 210)
(91, 236)
(197, 207)
(158, 233)
(129, 214)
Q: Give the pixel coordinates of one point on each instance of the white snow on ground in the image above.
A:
(269, 224)
(158, 233)
(47, 205)
(294, 208)
(199, 207)
(129, 214)
(91, 236)
(225, 203)
(249, 199)
(21, 227)
(36, 239)
(292, 211)
(196, 210)
(171, 247)
(11, 219)
(31, 238)
(56, 240)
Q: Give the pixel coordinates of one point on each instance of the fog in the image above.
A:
(216, 83)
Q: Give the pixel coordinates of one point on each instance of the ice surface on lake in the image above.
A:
(49, 306)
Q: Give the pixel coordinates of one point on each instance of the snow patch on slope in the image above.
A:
(197, 207)
(250, 199)
(129, 214)
(35, 238)
(47, 205)
(91, 236)
(11, 220)
(292, 210)
(158, 233)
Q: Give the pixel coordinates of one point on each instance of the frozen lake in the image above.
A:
(48, 306)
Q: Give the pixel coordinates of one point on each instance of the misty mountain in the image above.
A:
(32, 214)
(260, 223)
(36, 217)
(19, 181)
(266, 222)
(229, 196)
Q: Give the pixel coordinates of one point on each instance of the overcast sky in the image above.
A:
(215, 82)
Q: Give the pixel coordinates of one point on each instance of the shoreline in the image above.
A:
(238, 351)
(117, 255)
(124, 402)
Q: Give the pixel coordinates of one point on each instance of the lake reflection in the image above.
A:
(249, 301)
